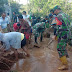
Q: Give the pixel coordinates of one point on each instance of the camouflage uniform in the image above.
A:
(62, 31)
(37, 30)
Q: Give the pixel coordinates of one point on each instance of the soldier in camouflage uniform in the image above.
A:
(38, 29)
(62, 24)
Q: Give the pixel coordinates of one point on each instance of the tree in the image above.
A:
(42, 7)
(2, 2)
(15, 6)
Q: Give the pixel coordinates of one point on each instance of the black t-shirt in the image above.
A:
(33, 17)
(14, 18)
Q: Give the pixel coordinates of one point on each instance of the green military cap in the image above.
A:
(56, 7)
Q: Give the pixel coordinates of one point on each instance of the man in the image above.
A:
(52, 19)
(33, 20)
(38, 30)
(8, 18)
(16, 27)
(14, 40)
(14, 17)
(4, 23)
(38, 20)
(52, 12)
(25, 28)
(33, 17)
(63, 22)
(46, 20)
(26, 17)
(17, 18)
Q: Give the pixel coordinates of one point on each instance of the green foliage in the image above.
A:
(2, 2)
(43, 7)
(15, 6)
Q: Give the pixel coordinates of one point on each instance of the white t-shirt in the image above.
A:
(25, 17)
(17, 19)
(9, 19)
(3, 23)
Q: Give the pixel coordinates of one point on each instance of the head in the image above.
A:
(24, 12)
(57, 9)
(52, 11)
(3, 15)
(14, 13)
(20, 17)
(8, 14)
(38, 18)
(50, 15)
(46, 17)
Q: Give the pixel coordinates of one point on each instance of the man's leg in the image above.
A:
(35, 39)
(55, 31)
(61, 48)
(41, 37)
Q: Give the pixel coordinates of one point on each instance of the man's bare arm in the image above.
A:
(8, 25)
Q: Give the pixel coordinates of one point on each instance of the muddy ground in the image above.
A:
(43, 59)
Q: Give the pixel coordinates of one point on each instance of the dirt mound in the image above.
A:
(6, 62)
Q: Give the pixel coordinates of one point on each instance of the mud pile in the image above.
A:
(6, 62)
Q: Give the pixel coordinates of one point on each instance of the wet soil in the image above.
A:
(43, 59)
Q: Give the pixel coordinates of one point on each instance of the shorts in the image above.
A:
(23, 42)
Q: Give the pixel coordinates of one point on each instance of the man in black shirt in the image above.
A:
(14, 17)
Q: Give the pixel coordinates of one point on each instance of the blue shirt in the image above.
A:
(4, 22)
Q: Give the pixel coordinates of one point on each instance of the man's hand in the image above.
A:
(53, 38)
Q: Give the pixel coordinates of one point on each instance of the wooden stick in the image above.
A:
(50, 42)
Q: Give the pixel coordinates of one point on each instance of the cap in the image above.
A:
(56, 7)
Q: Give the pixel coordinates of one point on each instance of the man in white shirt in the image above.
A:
(4, 23)
(8, 18)
(26, 17)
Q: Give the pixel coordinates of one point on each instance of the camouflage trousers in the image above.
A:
(61, 47)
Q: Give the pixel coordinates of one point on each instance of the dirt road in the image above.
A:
(43, 59)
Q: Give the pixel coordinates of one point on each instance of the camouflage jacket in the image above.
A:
(38, 28)
(63, 23)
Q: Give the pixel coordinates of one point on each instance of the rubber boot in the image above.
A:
(64, 63)
(56, 38)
